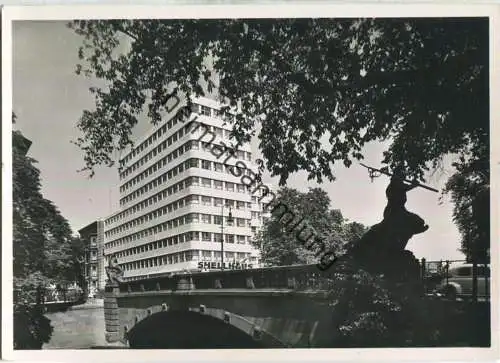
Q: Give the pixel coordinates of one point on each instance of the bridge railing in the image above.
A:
(299, 277)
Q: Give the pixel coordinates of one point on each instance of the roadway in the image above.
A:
(80, 327)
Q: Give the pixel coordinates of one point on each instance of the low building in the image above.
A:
(94, 271)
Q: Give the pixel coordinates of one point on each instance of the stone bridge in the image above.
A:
(266, 308)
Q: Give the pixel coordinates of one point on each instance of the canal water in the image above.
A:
(80, 327)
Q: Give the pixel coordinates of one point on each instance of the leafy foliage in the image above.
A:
(31, 327)
(470, 192)
(43, 247)
(309, 214)
(348, 81)
(42, 237)
(371, 311)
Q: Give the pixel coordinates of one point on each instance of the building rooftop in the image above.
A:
(20, 142)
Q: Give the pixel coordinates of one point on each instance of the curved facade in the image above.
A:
(177, 188)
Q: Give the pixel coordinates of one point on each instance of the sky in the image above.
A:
(49, 98)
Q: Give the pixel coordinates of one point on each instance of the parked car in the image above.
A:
(458, 282)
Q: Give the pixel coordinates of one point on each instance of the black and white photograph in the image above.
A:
(268, 178)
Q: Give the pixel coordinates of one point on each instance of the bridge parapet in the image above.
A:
(301, 277)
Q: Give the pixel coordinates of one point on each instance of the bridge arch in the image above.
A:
(196, 328)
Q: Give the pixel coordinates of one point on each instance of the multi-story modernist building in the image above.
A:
(182, 202)
(93, 235)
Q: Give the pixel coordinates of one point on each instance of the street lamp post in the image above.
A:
(230, 220)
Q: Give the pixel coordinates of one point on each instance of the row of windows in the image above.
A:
(190, 163)
(157, 150)
(186, 183)
(184, 237)
(191, 218)
(239, 154)
(171, 207)
(212, 112)
(174, 223)
(185, 256)
(193, 144)
(179, 117)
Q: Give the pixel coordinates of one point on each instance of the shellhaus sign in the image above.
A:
(208, 265)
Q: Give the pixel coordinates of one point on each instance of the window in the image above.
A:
(206, 236)
(240, 205)
(218, 184)
(207, 254)
(218, 238)
(206, 218)
(206, 200)
(195, 180)
(241, 188)
(230, 187)
(205, 110)
(240, 154)
(230, 255)
(207, 183)
(191, 255)
(240, 222)
(192, 199)
(249, 156)
(218, 201)
(218, 220)
(241, 239)
(205, 164)
(464, 271)
(219, 167)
